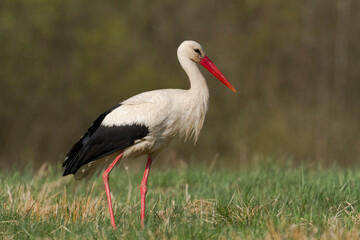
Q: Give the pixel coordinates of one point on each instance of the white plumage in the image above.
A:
(147, 122)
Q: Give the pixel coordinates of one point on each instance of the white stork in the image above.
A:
(145, 124)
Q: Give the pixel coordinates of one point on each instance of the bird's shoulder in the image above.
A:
(157, 97)
(144, 108)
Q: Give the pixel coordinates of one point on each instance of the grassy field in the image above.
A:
(189, 202)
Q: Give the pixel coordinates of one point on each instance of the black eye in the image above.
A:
(197, 50)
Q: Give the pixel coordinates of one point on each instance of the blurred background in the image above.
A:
(295, 65)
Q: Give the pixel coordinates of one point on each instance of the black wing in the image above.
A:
(100, 141)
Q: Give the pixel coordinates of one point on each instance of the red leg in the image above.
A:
(105, 177)
(143, 189)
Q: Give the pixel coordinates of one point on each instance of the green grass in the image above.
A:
(262, 201)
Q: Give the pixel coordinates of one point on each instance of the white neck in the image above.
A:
(196, 78)
(197, 98)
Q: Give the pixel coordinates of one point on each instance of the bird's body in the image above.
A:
(155, 116)
(145, 123)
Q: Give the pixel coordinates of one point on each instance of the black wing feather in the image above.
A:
(100, 141)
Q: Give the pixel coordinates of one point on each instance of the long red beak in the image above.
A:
(210, 66)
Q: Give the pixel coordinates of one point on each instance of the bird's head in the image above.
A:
(193, 51)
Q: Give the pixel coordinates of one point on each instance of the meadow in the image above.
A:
(259, 201)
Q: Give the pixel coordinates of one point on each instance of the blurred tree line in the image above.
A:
(295, 64)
